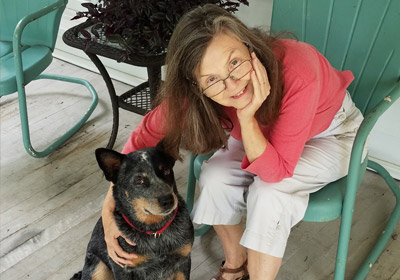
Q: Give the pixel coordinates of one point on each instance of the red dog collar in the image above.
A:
(158, 232)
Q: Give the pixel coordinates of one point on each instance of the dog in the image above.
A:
(149, 212)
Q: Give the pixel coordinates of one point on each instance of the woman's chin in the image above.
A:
(243, 101)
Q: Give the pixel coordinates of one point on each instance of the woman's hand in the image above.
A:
(111, 233)
(254, 141)
(261, 90)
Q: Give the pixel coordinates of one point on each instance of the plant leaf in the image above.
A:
(77, 17)
(85, 34)
(144, 26)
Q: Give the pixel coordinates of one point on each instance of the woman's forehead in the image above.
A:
(218, 53)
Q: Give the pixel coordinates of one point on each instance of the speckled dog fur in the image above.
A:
(145, 192)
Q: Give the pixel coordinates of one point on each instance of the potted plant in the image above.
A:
(141, 27)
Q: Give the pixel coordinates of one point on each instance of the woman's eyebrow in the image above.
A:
(230, 56)
(228, 60)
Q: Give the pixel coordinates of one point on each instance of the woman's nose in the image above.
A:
(231, 83)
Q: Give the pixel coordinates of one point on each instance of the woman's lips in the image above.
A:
(240, 94)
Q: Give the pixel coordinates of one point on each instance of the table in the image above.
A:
(138, 99)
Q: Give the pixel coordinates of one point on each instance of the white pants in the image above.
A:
(273, 209)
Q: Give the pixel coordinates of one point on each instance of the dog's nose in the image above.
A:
(166, 201)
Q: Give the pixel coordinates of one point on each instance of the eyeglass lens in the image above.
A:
(236, 74)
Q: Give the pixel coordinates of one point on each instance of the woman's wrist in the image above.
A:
(248, 123)
(254, 141)
(107, 211)
(108, 204)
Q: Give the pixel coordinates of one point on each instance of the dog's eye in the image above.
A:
(167, 172)
(139, 181)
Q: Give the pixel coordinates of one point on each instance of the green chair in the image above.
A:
(362, 36)
(28, 32)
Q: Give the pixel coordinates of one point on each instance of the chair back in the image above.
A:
(39, 32)
(358, 35)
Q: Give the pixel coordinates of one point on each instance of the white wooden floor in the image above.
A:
(49, 206)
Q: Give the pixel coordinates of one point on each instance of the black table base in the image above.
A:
(139, 99)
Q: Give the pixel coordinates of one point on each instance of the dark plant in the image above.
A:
(141, 27)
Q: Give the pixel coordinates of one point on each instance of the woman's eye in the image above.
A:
(212, 80)
(234, 63)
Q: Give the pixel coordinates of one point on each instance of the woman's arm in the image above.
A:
(149, 132)
(254, 141)
(111, 232)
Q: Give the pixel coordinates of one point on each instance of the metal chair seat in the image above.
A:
(327, 204)
(5, 48)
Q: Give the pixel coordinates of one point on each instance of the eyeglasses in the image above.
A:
(236, 74)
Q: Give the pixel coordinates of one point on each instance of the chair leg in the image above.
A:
(190, 191)
(345, 228)
(25, 123)
(343, 243)
(390, 226)
(202, 229)
(191, 185)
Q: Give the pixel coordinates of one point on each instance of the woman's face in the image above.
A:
(226, 56)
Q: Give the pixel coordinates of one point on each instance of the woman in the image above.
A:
(279, 117)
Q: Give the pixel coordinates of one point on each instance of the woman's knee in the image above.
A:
(263, 199)
(211, 176)
(217, 175)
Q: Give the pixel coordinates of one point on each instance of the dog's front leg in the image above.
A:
(184, 270)
(119, 272)
(126, 273)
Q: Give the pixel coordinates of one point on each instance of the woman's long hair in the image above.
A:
(194, 121)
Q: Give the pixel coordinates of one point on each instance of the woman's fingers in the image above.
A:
(115, 251)
(128, 241)
(261, 90)
(261, 78)
(256, 83)
(118, 255)
(259, 68)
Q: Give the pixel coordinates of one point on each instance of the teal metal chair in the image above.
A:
(28, 32)
(362, 36)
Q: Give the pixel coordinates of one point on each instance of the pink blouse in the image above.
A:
(313, 93)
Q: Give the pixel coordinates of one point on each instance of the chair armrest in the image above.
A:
(365, 128)
(23, 23)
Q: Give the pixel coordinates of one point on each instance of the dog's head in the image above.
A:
(143, 180)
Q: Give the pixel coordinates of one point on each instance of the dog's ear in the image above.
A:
(163, 147)
(110, 162)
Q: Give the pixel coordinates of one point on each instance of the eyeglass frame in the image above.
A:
(229, 76)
